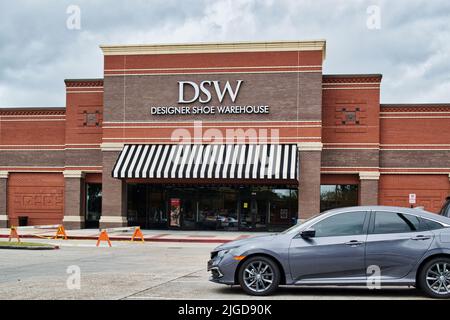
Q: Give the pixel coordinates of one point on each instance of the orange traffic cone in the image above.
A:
(13, 234)
(103, 237)
(61, 232)
(138, 234)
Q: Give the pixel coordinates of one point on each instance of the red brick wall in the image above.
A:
(84, 112)
(162, 63)
(431, 190)
(31, 128)
(32, 138)
(415, 138)
(40, 196)
(93, 178)
(339, 179)
(351, 94)
(350, 123)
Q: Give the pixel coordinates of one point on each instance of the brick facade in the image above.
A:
(38, 196)
(113, 194)
(309, 183)
(73, 200)
(3, 199)
(344, 134)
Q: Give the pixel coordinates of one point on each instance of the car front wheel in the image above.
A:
(434, 278)
(259, 276)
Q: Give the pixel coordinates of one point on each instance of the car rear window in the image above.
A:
(392, 222)
(432, 225)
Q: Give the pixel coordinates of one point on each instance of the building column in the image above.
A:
(3, 199)
(368, 188)
(114, 197)
(74, 217)
(310, 154)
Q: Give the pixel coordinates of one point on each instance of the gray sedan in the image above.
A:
(359, 246)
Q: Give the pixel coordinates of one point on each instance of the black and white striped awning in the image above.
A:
(208, 161)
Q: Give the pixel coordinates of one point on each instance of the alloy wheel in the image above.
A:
(258, 276)
(438, 278)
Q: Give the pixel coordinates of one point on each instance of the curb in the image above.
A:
(29, 248)
(29, 236)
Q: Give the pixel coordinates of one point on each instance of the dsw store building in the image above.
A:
(229, 136)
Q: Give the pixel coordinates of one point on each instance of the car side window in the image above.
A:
(342, 224)
(393, 222)
(446, 212)
(432, 225)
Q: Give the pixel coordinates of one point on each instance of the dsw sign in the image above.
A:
(204, 91)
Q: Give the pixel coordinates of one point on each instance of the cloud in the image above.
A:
(411, 49)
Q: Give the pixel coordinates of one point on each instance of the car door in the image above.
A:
(396, 242)
(335, 253)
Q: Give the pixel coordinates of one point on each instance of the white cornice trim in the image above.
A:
(111, 146)
(113, 219)
(218, 47)
(73, 174)
(4, 174)
(310, 146)
(73, 219)
(3, 217)
(369, 175)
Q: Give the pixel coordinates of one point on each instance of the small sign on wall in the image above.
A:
(412, 198)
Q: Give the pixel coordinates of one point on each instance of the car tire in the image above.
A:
(433, 276)
(267, 281)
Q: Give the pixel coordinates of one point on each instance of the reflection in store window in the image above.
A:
(232, 208)
(338, 196)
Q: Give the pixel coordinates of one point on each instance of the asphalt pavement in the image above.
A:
(140, 271)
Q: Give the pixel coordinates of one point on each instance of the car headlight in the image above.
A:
(222, 253)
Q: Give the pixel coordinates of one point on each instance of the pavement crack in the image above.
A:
(161, 284)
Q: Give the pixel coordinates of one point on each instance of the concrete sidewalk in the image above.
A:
(149, 235)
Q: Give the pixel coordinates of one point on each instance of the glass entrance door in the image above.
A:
(156, 211)
(93, 205)
(254, 210)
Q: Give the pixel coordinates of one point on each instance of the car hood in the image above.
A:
(239, 243)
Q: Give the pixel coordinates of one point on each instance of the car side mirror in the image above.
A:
(308, 233)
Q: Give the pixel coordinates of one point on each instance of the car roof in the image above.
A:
(413, 211)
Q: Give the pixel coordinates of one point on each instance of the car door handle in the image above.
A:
(421, 237)
(354, 243)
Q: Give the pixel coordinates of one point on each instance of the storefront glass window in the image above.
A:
(212, 207)
(338, 196)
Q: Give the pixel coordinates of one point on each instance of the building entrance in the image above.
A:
(230, 208)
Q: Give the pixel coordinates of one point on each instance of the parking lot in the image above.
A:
(140, 271)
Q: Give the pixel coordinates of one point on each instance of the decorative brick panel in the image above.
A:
(430, 190)
(40, 196)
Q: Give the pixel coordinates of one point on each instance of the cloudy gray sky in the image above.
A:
(411, 48)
